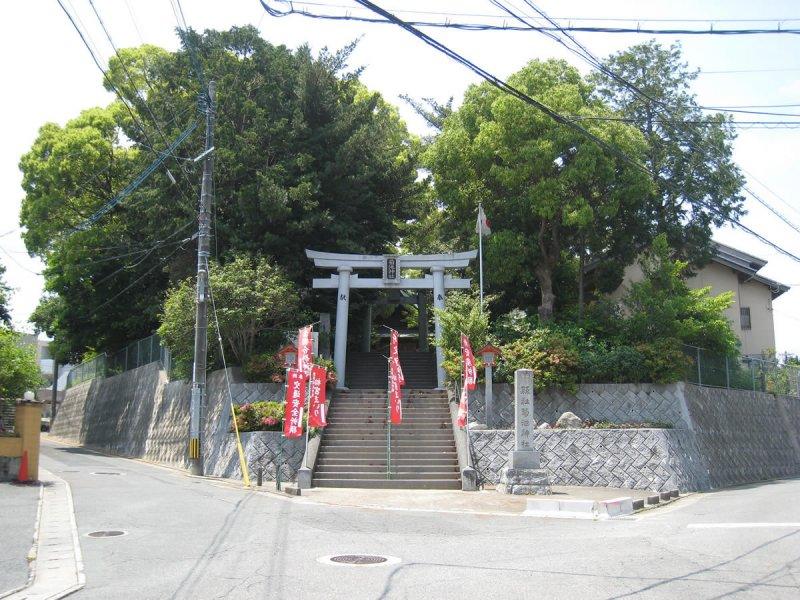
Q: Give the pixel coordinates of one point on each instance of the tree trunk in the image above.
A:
(581, 265)
(545, 276)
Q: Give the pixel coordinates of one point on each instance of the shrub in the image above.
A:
(664, 360)
(551, 354)
(263, 367)
(462, 314)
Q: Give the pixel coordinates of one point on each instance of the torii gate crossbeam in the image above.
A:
(392, 265)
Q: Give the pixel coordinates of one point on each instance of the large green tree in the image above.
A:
(306, 156)
(689, 153)
(18, 369)
(5, 298)
(552, 194)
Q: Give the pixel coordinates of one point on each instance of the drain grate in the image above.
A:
(359, 559)
(109, 533)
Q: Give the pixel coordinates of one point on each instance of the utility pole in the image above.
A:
(201, 320)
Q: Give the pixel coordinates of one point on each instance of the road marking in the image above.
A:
(742, 525)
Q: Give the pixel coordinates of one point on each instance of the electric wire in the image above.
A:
(464, 26)
(583, 52)
(161, 261)
(511, 90)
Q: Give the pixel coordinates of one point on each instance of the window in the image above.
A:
(744, 316)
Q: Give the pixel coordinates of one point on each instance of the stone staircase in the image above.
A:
(353, 449)
(369, 370)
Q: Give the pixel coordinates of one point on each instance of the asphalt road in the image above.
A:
(194, 538)
(18, 507)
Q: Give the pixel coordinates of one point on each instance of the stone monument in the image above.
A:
(523, 475)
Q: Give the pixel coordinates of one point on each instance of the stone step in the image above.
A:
(400, 470)
(378, 462)
(376, 474)
(389, 484)
(382, 430)
(379, 452)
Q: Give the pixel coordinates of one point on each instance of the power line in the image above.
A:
(162, 260)
(771, 209)
(447, 24)
(587, 55)
(511, 90)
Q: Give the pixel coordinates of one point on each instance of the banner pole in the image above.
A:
(480, 251)
(389, 417)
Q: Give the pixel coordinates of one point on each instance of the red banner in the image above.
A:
(305, 357)
(468, 370)
(395, 394)
(316, 403)
(295, 399)
(394, 355)
(461, 421)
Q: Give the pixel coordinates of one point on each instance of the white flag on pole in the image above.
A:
(482, 226)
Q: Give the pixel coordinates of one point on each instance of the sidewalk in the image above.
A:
(19, 506)
(484, 502)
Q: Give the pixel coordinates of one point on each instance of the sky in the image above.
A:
(50, 77)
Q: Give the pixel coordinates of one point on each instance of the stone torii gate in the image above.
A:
(391, 266)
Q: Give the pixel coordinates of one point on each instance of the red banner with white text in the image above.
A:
(395, 394)
(295, 399)
(468, 370)
(316, 402)
(394, 355)
(305, 356)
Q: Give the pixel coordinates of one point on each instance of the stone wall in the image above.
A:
(720, 437)
(615, 402)
(646, 459)
(139, 414)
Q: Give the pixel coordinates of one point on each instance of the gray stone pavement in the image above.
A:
(198, 538)
(18, 507)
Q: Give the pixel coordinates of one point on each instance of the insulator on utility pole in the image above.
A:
(198, 397)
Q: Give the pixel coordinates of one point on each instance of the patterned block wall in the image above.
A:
(615, 402)
(646, 459)
(140, 414)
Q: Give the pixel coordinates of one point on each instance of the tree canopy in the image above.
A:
(5, 298)
(19, 371)
(252, 298)
(550, 191)
(689, 153)
(306, 156)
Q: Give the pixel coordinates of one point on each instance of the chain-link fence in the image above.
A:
(742, 372)
(136, 354)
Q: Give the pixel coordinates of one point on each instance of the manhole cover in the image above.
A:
(106, 473)
(358, 560)
(110, 533)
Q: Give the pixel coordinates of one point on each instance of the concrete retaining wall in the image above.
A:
(721, 437)
(139, 414)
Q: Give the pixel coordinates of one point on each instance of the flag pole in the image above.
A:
(480, 250)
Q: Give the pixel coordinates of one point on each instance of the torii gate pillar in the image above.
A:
(438, 302)
(342, 314)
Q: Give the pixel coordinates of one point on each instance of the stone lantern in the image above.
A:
(288, 354)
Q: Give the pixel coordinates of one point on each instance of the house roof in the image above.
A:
(748, 265)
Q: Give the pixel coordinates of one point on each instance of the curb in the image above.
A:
(33, 554)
